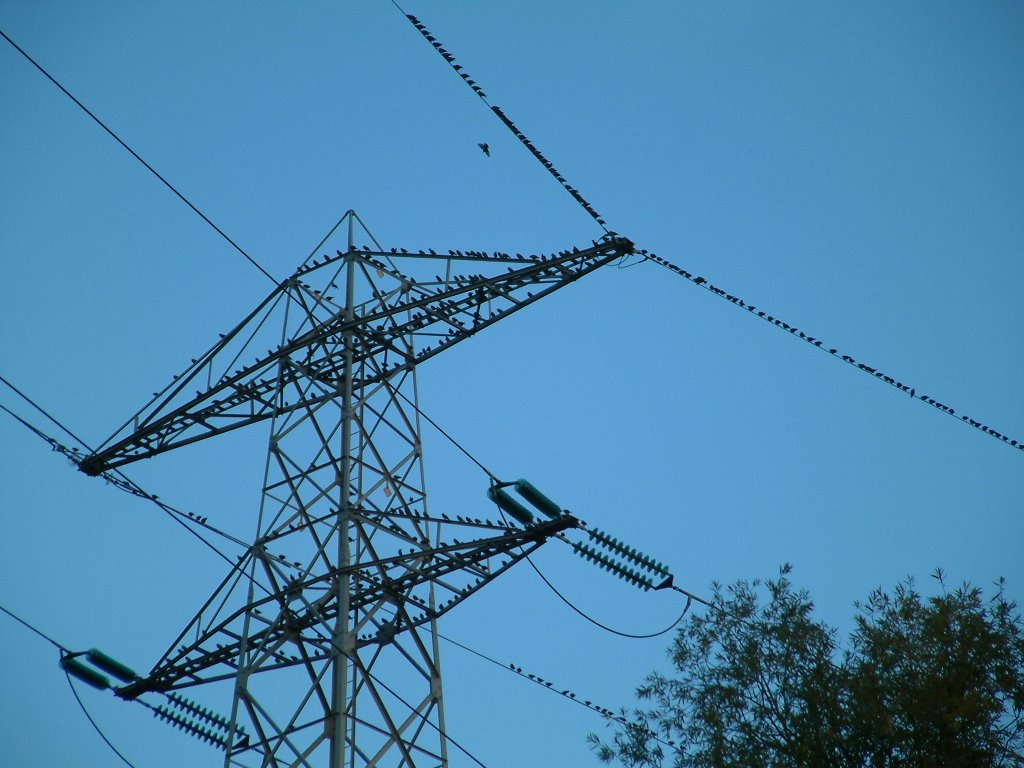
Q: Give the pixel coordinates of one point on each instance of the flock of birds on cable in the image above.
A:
(523, 138)
(697, 280)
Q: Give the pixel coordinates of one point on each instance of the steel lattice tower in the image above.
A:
(325, 632)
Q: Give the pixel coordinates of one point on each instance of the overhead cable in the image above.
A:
(450, 439)
(870, 370)
(550, 686)
(64, 651)
(500, 114)
(45, 637)
(875, 373)
(92, 722)
(117, 478)
(138, 157)
(606, 628)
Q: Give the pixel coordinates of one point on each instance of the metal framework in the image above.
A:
(325, 632)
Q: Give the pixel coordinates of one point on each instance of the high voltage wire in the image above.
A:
(833, 351)
(138, 157)
(520, 136)
(118, 479)
(92, 722)
(39, 632)
(697, 280)
(549, 686)
(121, 481)
(65, 651)
(689, 601)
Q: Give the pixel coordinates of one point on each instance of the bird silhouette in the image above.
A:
(485, 148)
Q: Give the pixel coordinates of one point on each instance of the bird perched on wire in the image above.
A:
(485, 148)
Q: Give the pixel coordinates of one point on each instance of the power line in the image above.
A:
(912, 391)
(500, 114)
(41, 410)
(689, 600)
(93, 722)
(45, 637)
(138, 157)
(548, 686)
(65, 651)
(119, 479)
(875, 373)
(450, 439)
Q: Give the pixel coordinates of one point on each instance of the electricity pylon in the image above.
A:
(325, 632)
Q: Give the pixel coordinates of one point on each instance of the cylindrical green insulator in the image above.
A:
(113, 666)
(87, 675)
(507, 504)
(526, 489)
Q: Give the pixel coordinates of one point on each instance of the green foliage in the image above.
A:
(923, 682)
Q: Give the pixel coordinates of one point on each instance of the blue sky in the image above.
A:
(855, 169)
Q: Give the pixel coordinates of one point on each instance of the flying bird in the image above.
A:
(485, 148)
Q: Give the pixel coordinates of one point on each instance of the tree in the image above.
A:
(758, 681)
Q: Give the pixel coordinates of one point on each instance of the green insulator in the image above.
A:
(526, 489)
(113, 666)
(507, 504)
(86, 674)
(600, 536)
(642, 560)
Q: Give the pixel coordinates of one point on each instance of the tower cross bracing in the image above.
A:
(323, 636)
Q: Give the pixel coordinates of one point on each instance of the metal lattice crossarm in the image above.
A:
(295, 614)
(431, 314)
